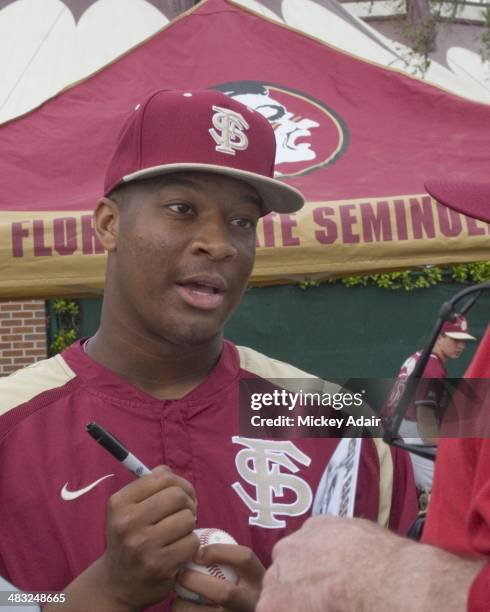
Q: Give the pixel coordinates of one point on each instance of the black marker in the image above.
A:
(117, 450)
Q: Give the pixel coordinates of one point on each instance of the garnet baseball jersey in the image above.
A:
(55, 480)
(430, 392)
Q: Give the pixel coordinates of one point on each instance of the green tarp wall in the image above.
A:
(338, 332)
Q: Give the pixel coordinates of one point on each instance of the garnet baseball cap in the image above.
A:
(457, 329)
(200, 131)
(469, 198)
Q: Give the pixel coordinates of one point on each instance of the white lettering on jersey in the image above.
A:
(261, 464)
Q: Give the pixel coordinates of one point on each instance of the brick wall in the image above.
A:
(23, 334)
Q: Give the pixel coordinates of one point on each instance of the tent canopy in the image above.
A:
(356, 138)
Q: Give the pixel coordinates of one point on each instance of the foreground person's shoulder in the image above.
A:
(28, 383)
(262, 365)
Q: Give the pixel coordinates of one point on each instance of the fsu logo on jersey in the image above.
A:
(270, 467)
(309, 134)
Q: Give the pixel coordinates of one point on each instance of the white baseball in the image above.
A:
(225, 572)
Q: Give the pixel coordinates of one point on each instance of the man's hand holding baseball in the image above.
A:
(239, 597)
(149, 528)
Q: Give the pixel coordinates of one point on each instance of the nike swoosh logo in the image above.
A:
(69, 495)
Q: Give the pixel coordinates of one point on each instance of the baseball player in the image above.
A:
(190, 177)
(424, 415)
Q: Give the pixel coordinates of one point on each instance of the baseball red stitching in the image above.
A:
(214, 570)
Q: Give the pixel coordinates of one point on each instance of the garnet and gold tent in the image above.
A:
(356, 138)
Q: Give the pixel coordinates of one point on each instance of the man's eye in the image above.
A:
(180, 207)
(244, 222)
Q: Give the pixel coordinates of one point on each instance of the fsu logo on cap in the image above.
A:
(309, 134)
(228, 130)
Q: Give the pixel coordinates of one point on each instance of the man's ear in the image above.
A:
(106, 221)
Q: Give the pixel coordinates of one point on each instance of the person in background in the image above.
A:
(425, 413)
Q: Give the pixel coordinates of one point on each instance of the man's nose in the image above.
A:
(213, 239)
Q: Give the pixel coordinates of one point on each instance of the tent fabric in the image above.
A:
(358, 139)
(46, 46)
(336, 24)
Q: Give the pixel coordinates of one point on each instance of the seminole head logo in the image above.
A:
(309, 134)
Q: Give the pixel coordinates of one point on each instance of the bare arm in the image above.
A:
(353, 565)
(427, 425)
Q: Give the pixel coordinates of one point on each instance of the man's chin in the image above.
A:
(195, 335)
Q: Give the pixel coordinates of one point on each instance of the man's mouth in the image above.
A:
(203, 293)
